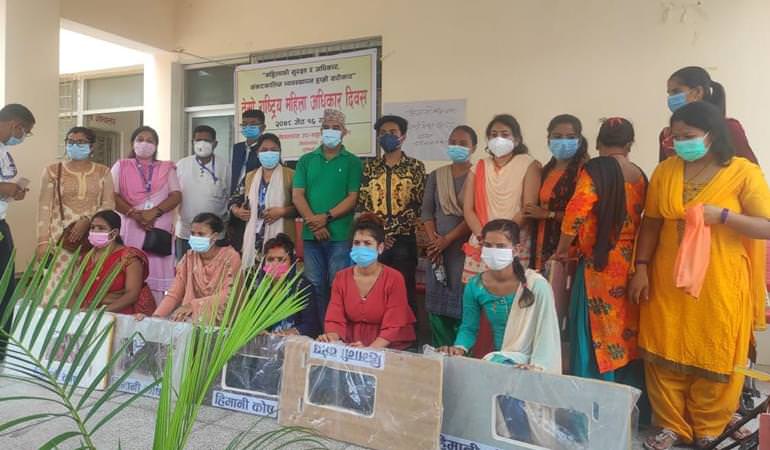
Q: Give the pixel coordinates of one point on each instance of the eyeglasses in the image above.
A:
(78, 142)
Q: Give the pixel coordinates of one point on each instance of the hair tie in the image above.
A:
(614, 121)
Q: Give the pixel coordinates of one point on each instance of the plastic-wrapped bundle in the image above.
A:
(154, 338)
(251, 381)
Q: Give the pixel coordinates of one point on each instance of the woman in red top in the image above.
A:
(368, 305)
(128, 293)
(691, 84)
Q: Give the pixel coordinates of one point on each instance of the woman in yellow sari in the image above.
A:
(691, 345)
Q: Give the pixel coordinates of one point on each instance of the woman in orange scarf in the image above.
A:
(691, 345)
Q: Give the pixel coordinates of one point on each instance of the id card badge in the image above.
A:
(148, 204)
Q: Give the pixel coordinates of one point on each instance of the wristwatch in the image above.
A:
(551, 214)
(329, 216)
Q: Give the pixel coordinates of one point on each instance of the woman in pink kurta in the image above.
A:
(204, 275)
(368, 305)
(146, 193)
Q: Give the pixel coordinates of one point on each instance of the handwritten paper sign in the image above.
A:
(360, 357)
(294, 94)
(430, 124)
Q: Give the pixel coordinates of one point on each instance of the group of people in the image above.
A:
(654, 259)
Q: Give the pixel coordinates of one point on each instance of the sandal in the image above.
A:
(664, 440)
(704, 442)
(742, 433)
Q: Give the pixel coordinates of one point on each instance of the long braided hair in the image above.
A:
(511, 230)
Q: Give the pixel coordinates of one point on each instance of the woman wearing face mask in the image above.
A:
(71, 193)
(498, 187)
(279, 263)
(368, 305)
(268, 195)
(444, 224)
(692, 84)
(691, 345)
(519, 304)
(146, 193)
(128, 293)
(603, 216)
(204, 275)
(569, 150)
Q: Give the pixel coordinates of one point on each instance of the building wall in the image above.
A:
(532, 58)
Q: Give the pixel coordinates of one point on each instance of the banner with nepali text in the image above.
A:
(294, 94)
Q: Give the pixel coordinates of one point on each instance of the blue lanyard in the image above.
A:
(147, 180)
(211, 171)
(11, 167)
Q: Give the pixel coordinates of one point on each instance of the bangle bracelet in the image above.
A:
(723, 217)
(641, 262)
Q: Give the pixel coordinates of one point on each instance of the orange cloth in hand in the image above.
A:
(692, 259)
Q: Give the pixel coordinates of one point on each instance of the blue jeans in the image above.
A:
(323, 259)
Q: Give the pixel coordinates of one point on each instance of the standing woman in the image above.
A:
(444, 224)
(498, 188)
(570, 151)
(692, 344)
(268, 195)
(71, 193)
(604, 215)
(692, 84)
(146, 193)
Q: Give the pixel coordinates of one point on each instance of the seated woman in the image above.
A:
(519, 304)
(279, 262)
(128, 293)
(368, 305)
(204, 275)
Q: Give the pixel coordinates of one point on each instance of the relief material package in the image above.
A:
(375, 398)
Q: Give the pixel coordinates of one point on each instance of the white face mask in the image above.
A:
(203, 149)
(500, 146)
(497, 258)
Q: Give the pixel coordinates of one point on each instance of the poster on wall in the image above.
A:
(430, 123)
(294, 94)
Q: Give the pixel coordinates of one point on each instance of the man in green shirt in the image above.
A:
(325, 192)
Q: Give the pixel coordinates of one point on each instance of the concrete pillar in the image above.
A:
(163, 100)
(29, 74)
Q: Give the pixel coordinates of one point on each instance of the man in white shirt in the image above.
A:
(16, 123)
(205, 182)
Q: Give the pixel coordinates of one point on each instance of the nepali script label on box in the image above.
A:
(245, 404)
(448, 442)
(361, 357)
(134, 386)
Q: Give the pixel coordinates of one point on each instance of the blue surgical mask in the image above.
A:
(200, 244)
(269, 159)
(458, 153)
(251, 131)
(390, 142)
(676, 101)
(331, 138)
(13, 140)
(564, 148)
(691, 149)
(78, 152)
(363, 256)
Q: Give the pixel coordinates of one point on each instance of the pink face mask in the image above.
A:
(144, 150)
(99, 239)
(276, 270)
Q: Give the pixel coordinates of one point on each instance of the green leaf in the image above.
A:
(54, 442)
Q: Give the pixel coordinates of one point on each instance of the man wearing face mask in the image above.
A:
(205, 181)
(245, 159)
(325, 192)
(392, 187)
(16, 123)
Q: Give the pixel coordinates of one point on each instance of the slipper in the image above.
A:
(664, 440)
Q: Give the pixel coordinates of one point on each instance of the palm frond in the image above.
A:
(54, 345)
(252, 307)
